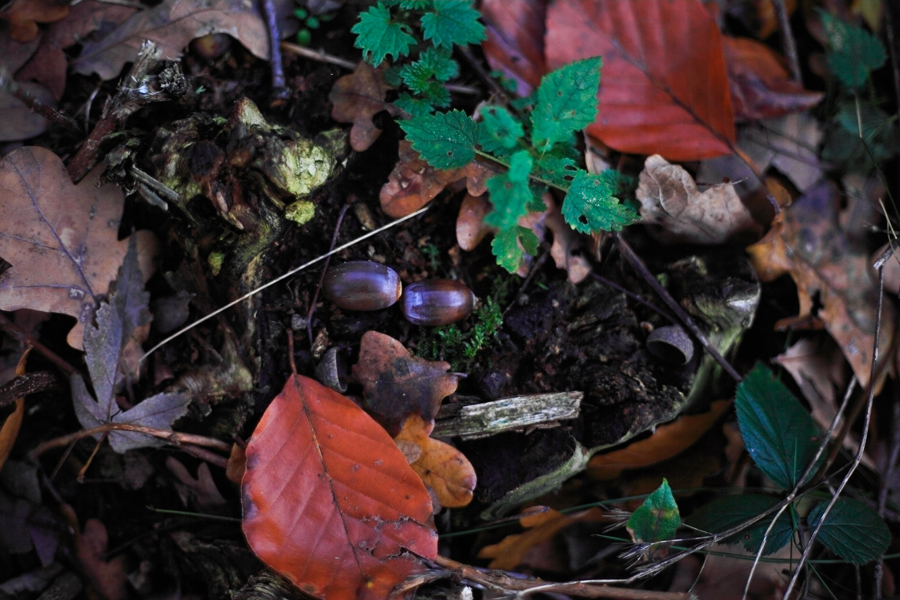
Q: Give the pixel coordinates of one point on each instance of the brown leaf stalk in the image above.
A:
(173, 437)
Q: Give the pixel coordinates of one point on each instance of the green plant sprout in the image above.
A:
(535, 141)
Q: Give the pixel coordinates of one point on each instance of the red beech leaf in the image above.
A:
(329, 501)
(515, 40)
(663, 87)
(397, 384)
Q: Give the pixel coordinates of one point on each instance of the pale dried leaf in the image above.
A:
(566, 244)
(200, 490)
(670, 198)
(789, 144)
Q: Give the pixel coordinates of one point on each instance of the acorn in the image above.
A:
(437, 302)
(362, 285)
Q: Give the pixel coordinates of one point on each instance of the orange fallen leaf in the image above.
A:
(237, 464)
(831, 271)
(667, 441)
(670, 198)
(413, 183)
(61, 239)
(397, 384)
(355, 98)
(329, 501)
(24, 16)
(9, 430)
(442, 467)
(664, 86)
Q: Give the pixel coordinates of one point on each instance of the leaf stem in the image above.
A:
(501, 162)
(173, 437)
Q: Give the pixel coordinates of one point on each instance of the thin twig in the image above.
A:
(888, 474)
(173, 437)
(26, 339)
(862, 442)
(23, 385)
(633, 296)
(279, 279)
(892, 46)
(280, 92)
(33, 104)
(790, 46)
(315, 298)
(638, 265)
(531, 273)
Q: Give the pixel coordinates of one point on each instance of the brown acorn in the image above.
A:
(437, 302)
(362, 285)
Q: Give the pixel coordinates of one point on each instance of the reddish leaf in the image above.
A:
(24, 15)
(356, 98)
(397, 384)
(413, 183)
(442, 467)
(761, 87)
(515, 40)
(664, 88)
(107, 577)
(329, 501)
(470, 226)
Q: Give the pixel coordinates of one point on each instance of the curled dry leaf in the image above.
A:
(413, 183)
(356, 98)
(61, 239)
(107, 577)
(172, 25)
(830, 271)
(24, 16)
(329, 501)
(470, 225)
(237, 464)
(664, 85)
(667, 441)
(566, 244)
(442, 467)
(397, 384)
(761, 87)
(670, 198)
(787, 143)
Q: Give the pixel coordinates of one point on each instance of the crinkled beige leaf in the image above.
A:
(670, 198)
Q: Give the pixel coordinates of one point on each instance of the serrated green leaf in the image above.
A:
(657, 519)
(452, 22)
(560, 170)
(416, 4)
(507, 250)
(439, 63)
(445, 140)
(566, 102)
(779, 434)
(854, 51)
(419, 77)
(416, 107)
(510, 193)
(728, 512)
(591, 206)
(852, 530)
(500, 130)
(378, 36)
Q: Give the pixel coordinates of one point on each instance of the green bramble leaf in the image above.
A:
(416, 107)
(510, 193)
(452, 22)
(728, 512)
(591, 206)
(852, 530)
(444, 140)
(854, 51)
(378, 36)
(566, 102)
(779, 434)
(500, 130)
(657, 519)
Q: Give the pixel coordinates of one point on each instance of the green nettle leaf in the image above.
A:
(445, 140)
(779, 434)
(500, 130)
(416, 4)
(657, 519)
(510, 193)
(591, 206)
(852, 530)
(560, 170)
(378, 36)
(854, 51)
(728, 512)
(439, 63)
(566, 102)
(416, 107)
(452, 22)
(507, 250)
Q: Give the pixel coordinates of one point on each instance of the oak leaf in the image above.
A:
(19, 122)
(397, 384)
(670, 198)
(413, 182)
(664, 86)
(172, 25)
(356, 98)
(442, 467)
(329, 501)
(61, 239)
(830, 271)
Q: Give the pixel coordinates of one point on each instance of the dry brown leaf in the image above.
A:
(61, 239)
(787, 143)
(566, 244)
(356, 98)
(237, 464)
(830, 271)
(108, 578)
(397, 384)
(19, 122)
(413, 183)
(670, 199)
(200, 491)
(172, 25)
(470, 226)
(442, 467)
(24, 16)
